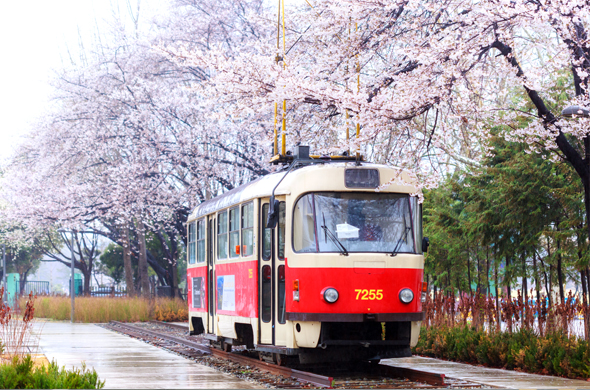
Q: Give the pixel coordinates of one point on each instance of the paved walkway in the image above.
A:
(488, 376)
(126, 363)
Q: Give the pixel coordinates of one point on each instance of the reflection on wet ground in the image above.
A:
(127, 363)
(488, 376)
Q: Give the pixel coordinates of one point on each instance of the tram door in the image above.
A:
(272, 278)
(210, 276)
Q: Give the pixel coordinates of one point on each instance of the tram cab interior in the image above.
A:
(334, 274)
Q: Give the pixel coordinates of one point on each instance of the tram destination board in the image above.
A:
(361, 178)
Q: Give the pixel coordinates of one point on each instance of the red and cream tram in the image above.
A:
(337, 276)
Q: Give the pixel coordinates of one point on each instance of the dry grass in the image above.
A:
(170, 310)
(105, 309)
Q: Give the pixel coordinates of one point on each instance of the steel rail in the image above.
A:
(303, 376)
(176, 326)
(178, 340)
(315, 379)
(415, 375)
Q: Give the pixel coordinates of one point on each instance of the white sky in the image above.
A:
(35, 36)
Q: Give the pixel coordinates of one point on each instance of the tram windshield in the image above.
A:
(355, 222)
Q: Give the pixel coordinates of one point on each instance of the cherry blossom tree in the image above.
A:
(152, 124)
(127, 147)
(421, 78)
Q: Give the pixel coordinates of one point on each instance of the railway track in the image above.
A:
(175, 338)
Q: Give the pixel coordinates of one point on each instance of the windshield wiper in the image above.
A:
(406, 230)
(333, 237)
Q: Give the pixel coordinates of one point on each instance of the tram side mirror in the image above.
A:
(425, 244)
(273, 213)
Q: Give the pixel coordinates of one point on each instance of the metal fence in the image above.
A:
(112, 291)
(35, 287)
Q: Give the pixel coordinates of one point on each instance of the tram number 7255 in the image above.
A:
(369, 295)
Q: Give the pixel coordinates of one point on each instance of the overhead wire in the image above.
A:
(281, 58)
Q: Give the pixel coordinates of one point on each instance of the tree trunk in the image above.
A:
(23, 281)
(143, 265)
(587, 305)
(85, 260)
(537, 290)
(175, 259)
(525, 295)
(584, 301)
(507, 278)
(559, 272)
(449, 280)
(550, 285)
(173, 254)
(468, 273)
(498, 318)
(173, 271)
(525, 284)
(548, 278)
(487, 270)
(127, 261)
(478, 287)
(87, 272)
(434, 285)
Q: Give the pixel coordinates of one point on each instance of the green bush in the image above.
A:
(554, 354)
(20, 374)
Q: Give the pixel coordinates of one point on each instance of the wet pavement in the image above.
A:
(126, 363)
(487, 376)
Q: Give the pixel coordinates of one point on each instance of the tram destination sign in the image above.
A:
(361, 178)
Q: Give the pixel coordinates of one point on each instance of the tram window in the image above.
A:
(417, 213)
(358, 221)
(281, 226)
(222, 236)
(265, 305)
(191, 243)
(266, 234)
(248, 229)
(234, 232)
(281, 302)
(304, 237)
(197, 285)
(201, 241)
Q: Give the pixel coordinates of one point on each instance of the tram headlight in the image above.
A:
(406, 295)
(330, 295)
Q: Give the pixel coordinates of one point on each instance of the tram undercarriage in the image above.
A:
(338, 342)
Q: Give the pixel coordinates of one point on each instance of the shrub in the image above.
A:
(553, 354)
(17, 369)
(15, 328)
(20, 374)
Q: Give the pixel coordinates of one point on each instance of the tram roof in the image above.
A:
(262, 187)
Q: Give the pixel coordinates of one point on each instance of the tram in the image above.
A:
(315, 263)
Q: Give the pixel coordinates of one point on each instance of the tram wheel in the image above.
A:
(266, 357)
(225, 346)
(279, 359)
